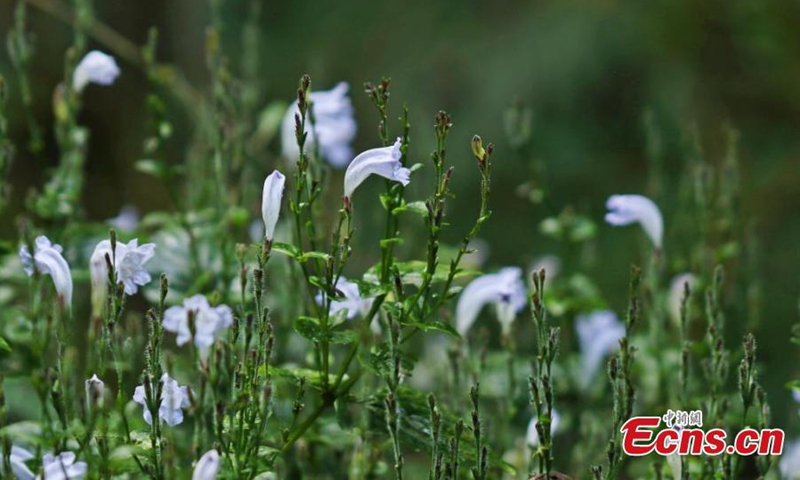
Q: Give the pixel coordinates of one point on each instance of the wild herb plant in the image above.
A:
(285, 320)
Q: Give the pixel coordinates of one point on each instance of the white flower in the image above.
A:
(207, 467)
(789, 464)
(209, 322)
(676, 295)
(271, 202)
(95, 67)
(62, 467)
(127, 220)
(627, 209)
(505, 289)
(128, 261)
(598, 334)
(384, 162)
(532, 436)
(173, 399)
(95, 390)
(353, 303)
(17, 460)
(334, 126)
(47, 259)
(54, 467)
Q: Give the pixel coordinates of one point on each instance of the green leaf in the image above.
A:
(378, 360)
(439, 326)
(309, 328)
(389, 241)
(286, 249)
(411, 273)
(343, 337)
(313, 255)
(414, 207)
(312, 377)
(4, 345)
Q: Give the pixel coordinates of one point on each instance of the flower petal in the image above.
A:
(271, 202)
(95, 67)
(627, 209)
(504, 289)
(207, 467)
(384, 162)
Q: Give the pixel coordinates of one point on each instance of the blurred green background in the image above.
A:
(588, 70)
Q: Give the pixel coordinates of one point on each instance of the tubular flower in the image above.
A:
(384, 162)
(95, 67)
(47, 259)
(209, 322)
(207, 467)
(174, 399)
(271, 202)
(598, 334)
(128, 262)
(505, 289)
(334, 126)
(532, 436)
(628, 209)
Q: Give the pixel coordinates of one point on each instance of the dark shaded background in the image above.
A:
(589, 70)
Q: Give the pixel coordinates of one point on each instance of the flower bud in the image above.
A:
(477, 148)
(207, 467)
(95, 390)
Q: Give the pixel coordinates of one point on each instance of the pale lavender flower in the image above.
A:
(95, 67)
(789, 464)
(532, 436)
(628, 209)
(384, 162)
(207, 467)
(504, 289)
(127, 220)
(271, 202)
(209, 322)
(62, 467)
(47, 259)
(95, 391)
(174, 399)
(598, 334)
(17, 460)
(352, 303)
(334, 128)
